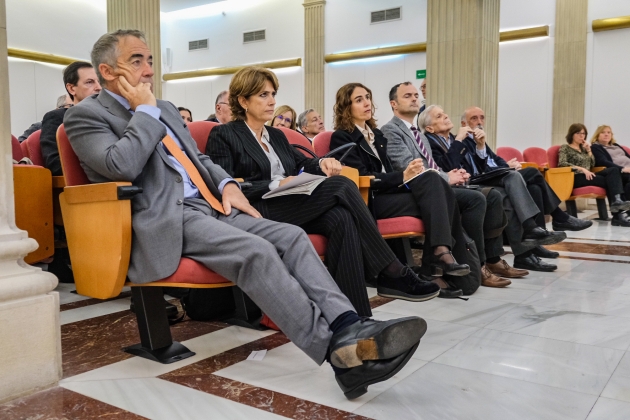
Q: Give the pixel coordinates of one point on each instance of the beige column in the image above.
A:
(145, 16)
(314, 54)
(30, 335)
(569, 73)
(463, 58)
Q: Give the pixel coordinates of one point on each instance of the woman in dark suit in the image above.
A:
(397, 193)
(248, 149)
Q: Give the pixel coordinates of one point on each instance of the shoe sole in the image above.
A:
(550, 240)
(546, 270)
(550, 256)
(363, 388)
(620, 224)
(563, 229)
(391, 342)
(620, 208)
(397, 294)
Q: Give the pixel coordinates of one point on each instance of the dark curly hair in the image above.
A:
(246, 82)
(343, 108)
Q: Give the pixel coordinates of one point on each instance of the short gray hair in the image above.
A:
(61, 101)
(301, 120)
(424, 119)
(219, 96)
(105, 50)
(463, 118)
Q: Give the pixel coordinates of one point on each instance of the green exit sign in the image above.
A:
(421, 74)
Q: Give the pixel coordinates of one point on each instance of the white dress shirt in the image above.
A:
(277, 170)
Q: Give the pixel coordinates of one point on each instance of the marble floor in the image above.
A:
(550, 346)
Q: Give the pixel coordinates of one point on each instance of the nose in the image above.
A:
(148, 70)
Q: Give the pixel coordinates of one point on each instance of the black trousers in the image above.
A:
(609, 179)
(546, 200)
(356, 250)
(431, 199)
(625, 178)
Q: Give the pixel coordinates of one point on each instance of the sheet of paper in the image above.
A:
(301, 179)
(257, 355)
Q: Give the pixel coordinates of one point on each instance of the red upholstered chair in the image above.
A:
(98, 229)
(200, 130)
(559, 182)
(627, 149)
(537, 155)
(509, 153)
(401, 228)
(16, 149)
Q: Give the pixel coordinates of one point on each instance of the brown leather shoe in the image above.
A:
(490, 280)
(503, 269)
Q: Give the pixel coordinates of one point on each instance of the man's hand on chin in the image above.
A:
(136, 95)
(233, 197)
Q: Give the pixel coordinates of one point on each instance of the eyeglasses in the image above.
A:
(65, 106)
(285, 119)
(582, 133)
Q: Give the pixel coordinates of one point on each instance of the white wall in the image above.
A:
(525, 91)
(608, 60)
(348, 28)
(63, 27)
(283, 21)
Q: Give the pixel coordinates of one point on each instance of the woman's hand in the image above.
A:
(285, 180)
(330, 166)
(414, 168)
(589, 175)
(625, 170)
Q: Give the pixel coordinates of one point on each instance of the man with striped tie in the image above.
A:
(482, 212)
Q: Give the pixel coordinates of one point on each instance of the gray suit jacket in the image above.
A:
(402, 147)
(113, 145)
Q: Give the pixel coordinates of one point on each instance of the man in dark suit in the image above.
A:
(222, 113)
(126, 134)
(450, 152)
(482, 215)
(80, 82)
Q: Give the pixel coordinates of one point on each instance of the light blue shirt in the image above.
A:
(482, 154)
(190, 189)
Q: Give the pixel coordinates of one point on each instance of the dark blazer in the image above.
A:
(234, 147)
(48, 140)
(456, 157)
(213, 120)
(363, 159)
(472, 148)
(602, 157)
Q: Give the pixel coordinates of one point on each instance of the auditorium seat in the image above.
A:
(537, 155)
(561, 181)
(98, 229)
(395, 228)
(200, 130)
(509, 153)
(16, 149)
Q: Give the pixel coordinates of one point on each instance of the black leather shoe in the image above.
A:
(408, 287)
(621, 219)
(439, 268)
(450, 293)
(540, 236)
(618, 205)
(543, 252)
(375, 340)
(355, 382)
(573, 224)
(533, 263)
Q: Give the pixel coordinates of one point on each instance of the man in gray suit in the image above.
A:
(482, 216)
(122, 134)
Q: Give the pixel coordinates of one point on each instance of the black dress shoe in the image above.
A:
(543, 252)
(450, 293)
(573, 224)
(375, 340)
(621, 219)
(355, 382)
(439, 268)
(540, 236)
(533, 263)
(408, 287)
(618, 205)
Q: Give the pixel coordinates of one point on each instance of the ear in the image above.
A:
(463, 124)
(107, 72)
(243, 102)
(393, 104)
(70, 88)
(429, 129)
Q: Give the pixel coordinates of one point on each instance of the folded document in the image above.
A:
(302, 184)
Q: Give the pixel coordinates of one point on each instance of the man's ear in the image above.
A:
(429, 129)
(463, 123)
(393, 104)
(70, 88)
(107, 72)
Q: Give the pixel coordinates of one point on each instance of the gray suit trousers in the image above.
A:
(275, 264)
(518, 205)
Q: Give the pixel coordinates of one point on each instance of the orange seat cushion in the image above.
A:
(319, 242)
(402, 224)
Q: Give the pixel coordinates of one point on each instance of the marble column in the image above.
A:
(314, 54)
(463, 58)
(145, 16)
(569, 73)
(30, 334)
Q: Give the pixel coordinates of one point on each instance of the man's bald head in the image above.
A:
(473, 117)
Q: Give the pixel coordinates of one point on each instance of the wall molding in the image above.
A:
(221, 71)
(41, 57)
(609, 24)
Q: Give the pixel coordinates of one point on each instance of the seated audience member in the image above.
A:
(546, 199)
(423, 89)
(415, 191)
(310, 124)
(262, 155)
(186, 114)
(610, 154)
(450, 152)
(222, 113)
(577, 154)
(80, 81)
(283, 117)
(126, 134)
(63, 101)
(481, 217)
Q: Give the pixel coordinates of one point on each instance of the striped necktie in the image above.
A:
(423, 150)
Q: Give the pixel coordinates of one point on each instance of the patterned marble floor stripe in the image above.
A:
(89, 302)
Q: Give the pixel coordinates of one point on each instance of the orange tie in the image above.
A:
(193, 173)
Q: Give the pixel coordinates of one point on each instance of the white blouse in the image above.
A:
(277, 170)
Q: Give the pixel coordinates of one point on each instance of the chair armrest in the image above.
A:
(530, 165)
(58, 182)
(365, 181)
(97, 220)
(561, 181)
(598, 169)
